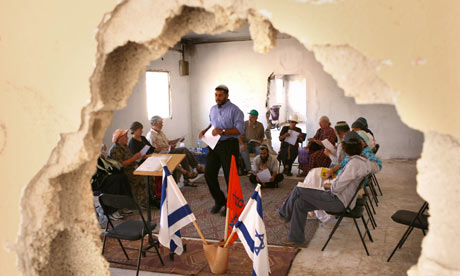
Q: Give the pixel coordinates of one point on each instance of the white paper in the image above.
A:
(329, 146)
(153, 163)
(144, 151)
(292, 139)
(209, 139)
(264, 176)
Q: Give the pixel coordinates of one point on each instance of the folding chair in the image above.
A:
(413, 220)
(131, 230)
(356, 213)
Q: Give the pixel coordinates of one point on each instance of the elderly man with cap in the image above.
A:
(252, 139)
(121, 153)
(316, 156)
(158, 139)
(288, 153)
(334, 199)
(227, 121)
(266, 161)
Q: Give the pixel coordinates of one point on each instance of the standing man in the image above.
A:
(252, 139)
(228, 122)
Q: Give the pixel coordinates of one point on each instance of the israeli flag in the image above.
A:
(251, 231)
(175, 214)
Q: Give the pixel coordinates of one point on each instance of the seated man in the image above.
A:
(341, 128)
(262, 162)
(340, 192)
(158, 139)
(361, 124)
(252, 138)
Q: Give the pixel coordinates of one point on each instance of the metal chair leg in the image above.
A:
(361, 236)
(370, 201)
(371, 217)
(399, 245)
(139, 256)
(377, 183)
(367, 229)
(123, 248)
(332, 232)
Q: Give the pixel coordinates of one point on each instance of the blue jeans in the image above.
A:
(250, 148)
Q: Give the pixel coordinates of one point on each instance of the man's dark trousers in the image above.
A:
(220, 156)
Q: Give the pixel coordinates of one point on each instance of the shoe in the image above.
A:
(115, 216)
(223, 213)
(288, 173)
(195, 178)
(189, 175)
(287, 242)
(125, 211)
(200, 170)
(216, 209)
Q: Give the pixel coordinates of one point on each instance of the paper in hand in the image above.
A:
(329, 146)
(210, 139)
(292, 138)
(264, 176)
(143, 151)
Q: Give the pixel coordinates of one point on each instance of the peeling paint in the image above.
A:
(419, 61)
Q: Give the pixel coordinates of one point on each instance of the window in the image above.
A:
(158, 96)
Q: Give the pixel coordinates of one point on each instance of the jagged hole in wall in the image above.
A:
(116, 74)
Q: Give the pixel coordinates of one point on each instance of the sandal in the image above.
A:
(191, 174)
(200, 170)
(190, 184)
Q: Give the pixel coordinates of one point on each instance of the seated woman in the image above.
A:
(121, 153)
(158, 139)
(316, 156)
(137, 142)
(288, 153)
(110, 179)
(338, 195)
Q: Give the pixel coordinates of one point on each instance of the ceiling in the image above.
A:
(241, 34)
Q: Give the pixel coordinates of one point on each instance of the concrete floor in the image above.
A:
(345, 254)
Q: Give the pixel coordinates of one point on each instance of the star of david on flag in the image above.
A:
(251, 231)
(175, 214)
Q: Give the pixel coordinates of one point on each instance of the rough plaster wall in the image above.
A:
(136, 110)
(420, 37)
(64, 216)
(246, 72)
(441, 155)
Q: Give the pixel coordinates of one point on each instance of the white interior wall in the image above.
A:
(136, 110)
(245, 73)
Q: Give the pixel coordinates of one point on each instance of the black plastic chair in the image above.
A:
(131, 230)
(413, 220)
(356, 213)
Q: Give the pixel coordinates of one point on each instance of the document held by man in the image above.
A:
(329, 146)
(210, 139)
(292, 138)
(264, 176)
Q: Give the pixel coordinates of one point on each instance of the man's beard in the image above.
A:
(221, 104)
(264, 159)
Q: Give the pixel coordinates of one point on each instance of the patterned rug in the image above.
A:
(212, 226)
(193, 261)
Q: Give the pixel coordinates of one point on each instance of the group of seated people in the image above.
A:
(115, 170)
(331, 191)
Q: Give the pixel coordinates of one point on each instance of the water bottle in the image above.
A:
(198, 142)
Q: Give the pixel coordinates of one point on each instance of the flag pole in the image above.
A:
(226, 225)
(199, 232)
(229, 239)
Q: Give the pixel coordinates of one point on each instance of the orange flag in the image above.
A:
(235, 201)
